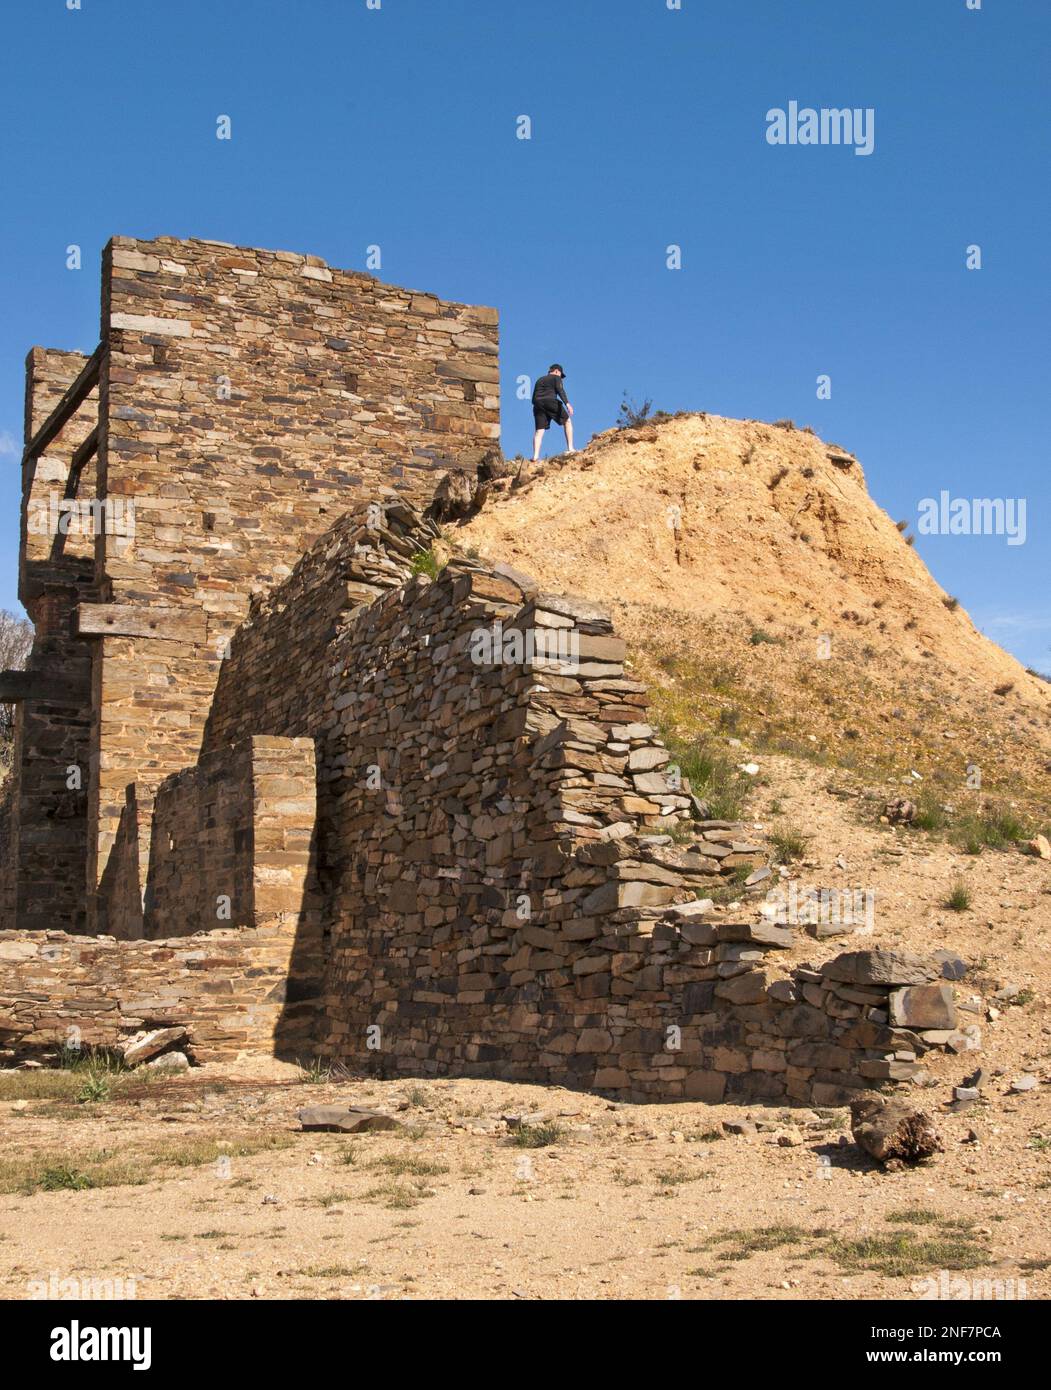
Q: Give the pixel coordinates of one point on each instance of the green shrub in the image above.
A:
(95, 1088)
(930, 814)
(992, 828)
(713, 777)
(536, 1136)
(959, 899)
(788, 843)
(425, 562)
(61, 1178)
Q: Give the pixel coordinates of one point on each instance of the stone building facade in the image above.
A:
(238, 402)
(341, 801)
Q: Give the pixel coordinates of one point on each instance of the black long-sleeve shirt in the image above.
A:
(548, 390)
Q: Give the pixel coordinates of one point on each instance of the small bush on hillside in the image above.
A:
(531, 1136)
(930, 813)
(788, 844)
(632, 414)
(784, 425)
(992, 828)
(713, 777)
(951, 603)
(96, 1088)
(62, 1178)
(959, 899)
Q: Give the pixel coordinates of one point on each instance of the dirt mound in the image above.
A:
(766, 597)
(709, 516)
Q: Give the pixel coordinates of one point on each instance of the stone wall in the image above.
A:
(499, 892)
(229, 987)
(274, 674)
(46, 860)
(248, 399)
(232, 839)
(500, 898)
(489, 888)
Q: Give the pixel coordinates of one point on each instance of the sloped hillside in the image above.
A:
(764, 592)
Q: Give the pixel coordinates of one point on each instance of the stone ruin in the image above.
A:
(284, 783)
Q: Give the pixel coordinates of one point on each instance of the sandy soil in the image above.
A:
(626, 1205)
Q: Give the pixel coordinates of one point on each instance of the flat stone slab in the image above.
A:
(143, 1046)
(761, 933)
(923, 1006)
(346, 1119)
(880, 968)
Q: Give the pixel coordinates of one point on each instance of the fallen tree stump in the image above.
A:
(892, 1132)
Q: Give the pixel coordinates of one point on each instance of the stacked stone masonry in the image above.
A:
(229, 987)
(342, 803)
(44, 869)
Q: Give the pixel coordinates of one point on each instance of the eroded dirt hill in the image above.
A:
(764, 592)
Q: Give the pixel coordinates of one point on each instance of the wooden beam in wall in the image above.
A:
(132, 620)
(81, 454)
(16, 686)
(73, 398)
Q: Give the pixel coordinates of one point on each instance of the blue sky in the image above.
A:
(397, 127)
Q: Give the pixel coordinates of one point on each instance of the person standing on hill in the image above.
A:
(550, 402)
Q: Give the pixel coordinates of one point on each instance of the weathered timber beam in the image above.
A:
(81, 455)
(130, 620)
(72, 399)
(16, 686)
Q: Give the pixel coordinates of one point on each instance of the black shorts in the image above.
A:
(544, 415)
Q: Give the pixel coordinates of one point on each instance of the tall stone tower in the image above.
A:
(237, 403)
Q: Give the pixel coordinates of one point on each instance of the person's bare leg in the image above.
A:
(569, 437)
(538, 439)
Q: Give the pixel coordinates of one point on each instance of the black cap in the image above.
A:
(557, 367)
